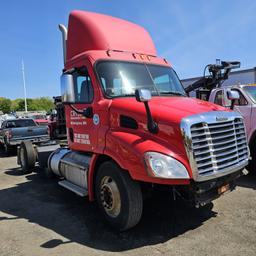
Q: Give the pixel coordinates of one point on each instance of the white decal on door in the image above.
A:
(82, 138)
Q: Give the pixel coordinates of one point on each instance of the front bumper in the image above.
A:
(202, 193)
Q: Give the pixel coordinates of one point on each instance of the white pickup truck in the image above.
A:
(246, 105)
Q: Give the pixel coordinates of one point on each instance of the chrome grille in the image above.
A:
(215, 147)
(218, 146)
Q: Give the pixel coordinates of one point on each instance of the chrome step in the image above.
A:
(74, 188)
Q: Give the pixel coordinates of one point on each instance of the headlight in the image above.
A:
(163, 166)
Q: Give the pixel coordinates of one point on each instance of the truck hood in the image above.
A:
(170, 109)
(166, 111)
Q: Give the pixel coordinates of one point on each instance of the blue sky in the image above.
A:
(190, 34)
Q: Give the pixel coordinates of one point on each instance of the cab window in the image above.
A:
(3, 125)
(219, 98)
(83, 87)
(241, 101)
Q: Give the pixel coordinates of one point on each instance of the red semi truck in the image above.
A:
(131, 127)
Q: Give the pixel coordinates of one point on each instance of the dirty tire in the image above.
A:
(127, 213)
(252, 163)
(27, 157)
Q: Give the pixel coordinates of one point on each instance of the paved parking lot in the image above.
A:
(38, 217)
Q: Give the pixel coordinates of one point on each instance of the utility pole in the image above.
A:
(24, 85)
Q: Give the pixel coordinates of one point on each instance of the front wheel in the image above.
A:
(118, 196)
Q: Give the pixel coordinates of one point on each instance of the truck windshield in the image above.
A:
(251, 90)
(121, 79)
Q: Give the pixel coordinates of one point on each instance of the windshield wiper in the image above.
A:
(173, 93)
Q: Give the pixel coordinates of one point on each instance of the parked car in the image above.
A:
(40, 120)
(14, 131)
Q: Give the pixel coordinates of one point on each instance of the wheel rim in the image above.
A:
(22, 157)
(110, 196)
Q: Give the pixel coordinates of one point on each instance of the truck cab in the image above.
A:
(131, 126)
(245, 105)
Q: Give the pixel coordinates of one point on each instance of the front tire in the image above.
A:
(118, 196)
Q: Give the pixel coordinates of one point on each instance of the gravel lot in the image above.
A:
(38, 217)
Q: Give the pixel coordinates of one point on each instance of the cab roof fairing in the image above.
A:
(89, 31)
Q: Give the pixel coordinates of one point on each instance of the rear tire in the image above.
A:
(119, 197)
(27, 157)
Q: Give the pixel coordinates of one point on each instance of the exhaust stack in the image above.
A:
(64, 32)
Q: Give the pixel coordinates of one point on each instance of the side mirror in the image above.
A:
(143, 95)
(67, 88)
(233, 95)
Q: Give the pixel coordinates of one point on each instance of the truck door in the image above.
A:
(82, 131)
(244, 108)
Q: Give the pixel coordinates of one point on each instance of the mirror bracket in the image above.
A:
(144, 95)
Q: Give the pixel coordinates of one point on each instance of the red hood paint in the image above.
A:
(171, 109)
(166, 111)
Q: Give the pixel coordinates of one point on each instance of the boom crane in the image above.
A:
(218, 73)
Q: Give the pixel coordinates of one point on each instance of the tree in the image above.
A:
(42, 103)
(5, 105)
(18, 105)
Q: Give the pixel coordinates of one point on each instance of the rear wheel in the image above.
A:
(118, 196)
(27, 156)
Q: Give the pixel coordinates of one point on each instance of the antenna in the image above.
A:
(24, 85)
